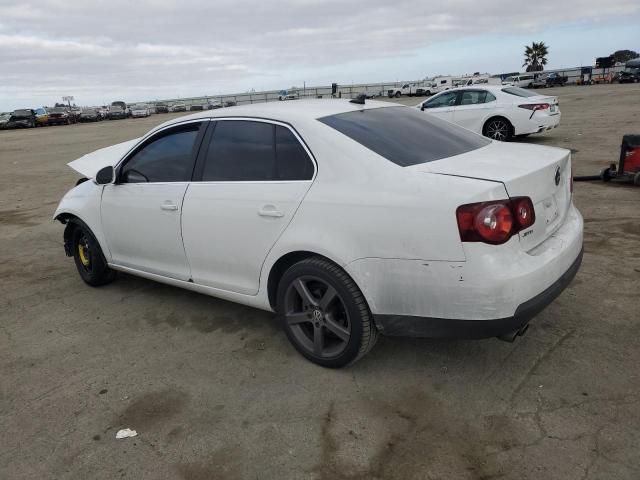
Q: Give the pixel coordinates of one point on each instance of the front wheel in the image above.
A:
(498, 129)
(89, 259)
(324, 313)
(398, 94)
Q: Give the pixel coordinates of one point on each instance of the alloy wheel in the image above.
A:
(317, 317)
(498, 130)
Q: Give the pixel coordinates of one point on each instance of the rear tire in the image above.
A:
(324, 313)
(498, 128)
(89, 259)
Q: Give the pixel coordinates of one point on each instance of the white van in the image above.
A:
(522, 81)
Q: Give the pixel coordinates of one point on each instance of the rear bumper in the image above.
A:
(541, 123)
(413, 326)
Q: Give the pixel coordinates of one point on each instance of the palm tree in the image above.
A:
(535, 56)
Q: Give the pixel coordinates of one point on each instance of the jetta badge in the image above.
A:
(557, 176)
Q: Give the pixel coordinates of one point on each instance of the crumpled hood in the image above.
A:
(90, 164)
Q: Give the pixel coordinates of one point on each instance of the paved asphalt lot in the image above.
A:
(216, 391)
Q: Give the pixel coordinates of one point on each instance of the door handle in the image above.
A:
(169, 206)
(270, 211)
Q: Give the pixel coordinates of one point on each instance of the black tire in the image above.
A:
(337, 312)
(398, 94)
(88, 257)
(498, 128)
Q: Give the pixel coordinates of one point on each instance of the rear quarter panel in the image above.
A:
(361, 205)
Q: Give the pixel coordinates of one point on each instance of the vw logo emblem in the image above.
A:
(557, 176)
(317, 315)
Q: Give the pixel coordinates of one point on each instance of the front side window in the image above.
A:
(168, 157)
(404, 135)
(445, 100)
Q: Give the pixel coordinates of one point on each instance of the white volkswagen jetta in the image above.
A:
(497, 112)
(348, 220)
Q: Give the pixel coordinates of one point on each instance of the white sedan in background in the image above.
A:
(497, 112)
(140, 111)
(347, 219)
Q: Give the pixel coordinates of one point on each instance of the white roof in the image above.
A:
(288, 111)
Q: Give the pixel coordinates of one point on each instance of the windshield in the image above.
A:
(116, 109)
(22, 113)
(519, 92)
(405, 136)
(58, 110)
(88, 110)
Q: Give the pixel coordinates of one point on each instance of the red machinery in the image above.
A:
(628, 168)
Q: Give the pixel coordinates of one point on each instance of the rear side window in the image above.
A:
(243, 150)
(166, 158)
(293, 162)
(519, 92)
(240, 151)
(405, 136)
(474, 97)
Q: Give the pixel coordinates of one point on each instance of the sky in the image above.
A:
(140, 50)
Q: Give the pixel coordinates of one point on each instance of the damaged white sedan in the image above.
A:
(349, 220)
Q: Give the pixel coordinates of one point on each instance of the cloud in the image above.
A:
(194, 47)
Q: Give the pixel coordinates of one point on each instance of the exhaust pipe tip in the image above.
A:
(510, 337)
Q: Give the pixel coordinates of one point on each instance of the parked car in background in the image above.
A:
(75, 112)
(499, 113)
(213, 104)
(230, 103)
(162, 108)
(197, 108)
(60, 116)
(22, 118)
(42, 117)
(288, 95)
(539, 81)
(90, 115)
(179, 107)
(522, 81)
(116, 113)
(555, 80)
(472, 238)
(4, 119)
(123, 106)
(629, 77)
(409, 89)
(138, 111)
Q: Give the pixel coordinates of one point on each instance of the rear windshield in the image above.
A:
(519, 92)
(404, 135)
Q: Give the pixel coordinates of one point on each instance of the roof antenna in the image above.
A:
(359, 100)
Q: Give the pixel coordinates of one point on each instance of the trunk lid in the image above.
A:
(540, 173)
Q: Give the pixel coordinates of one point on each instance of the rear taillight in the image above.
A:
(494, 222)
(535, 106)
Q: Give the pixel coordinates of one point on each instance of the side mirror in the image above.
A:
(422, 107)
(105, 175)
